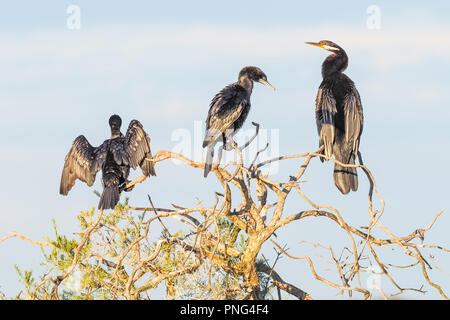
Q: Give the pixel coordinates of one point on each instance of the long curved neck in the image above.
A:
(335, 63)
(246, 83)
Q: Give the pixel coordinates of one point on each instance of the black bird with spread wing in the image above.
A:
(228, 111)
(114, 157)
(339, 116)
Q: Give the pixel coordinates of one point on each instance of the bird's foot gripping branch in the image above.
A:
(214, 252)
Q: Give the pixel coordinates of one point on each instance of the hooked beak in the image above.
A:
(264, 82)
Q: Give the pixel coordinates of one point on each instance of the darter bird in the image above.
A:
(339, 116)
(114, 157)
(228, 111)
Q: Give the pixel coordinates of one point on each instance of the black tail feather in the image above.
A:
(345, 178)
(110, 197)
(209, 160)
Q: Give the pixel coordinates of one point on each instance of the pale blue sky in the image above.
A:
(162, 64)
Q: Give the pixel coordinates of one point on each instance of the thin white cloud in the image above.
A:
(108, 49)
(110, 56)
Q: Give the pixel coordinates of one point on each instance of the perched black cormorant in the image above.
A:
(339, 116)
(114, 157)
(228, 111)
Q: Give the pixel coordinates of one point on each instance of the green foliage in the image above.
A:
(116, 246)
(25, 277)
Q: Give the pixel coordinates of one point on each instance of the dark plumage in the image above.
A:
(114, 157)
(228, 111)
(339, 116)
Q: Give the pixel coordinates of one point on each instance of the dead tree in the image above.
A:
(218, 255)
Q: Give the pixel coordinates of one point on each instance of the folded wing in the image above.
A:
(225, 109)
(325, 118)
(353, 115)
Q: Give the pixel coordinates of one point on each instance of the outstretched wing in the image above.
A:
(79, 164)
(225, 109)
(353, 117)
(137, 146)
(325, 117)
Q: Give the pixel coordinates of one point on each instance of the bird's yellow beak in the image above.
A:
(323, 46)
(264, 82)
(315, 44)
